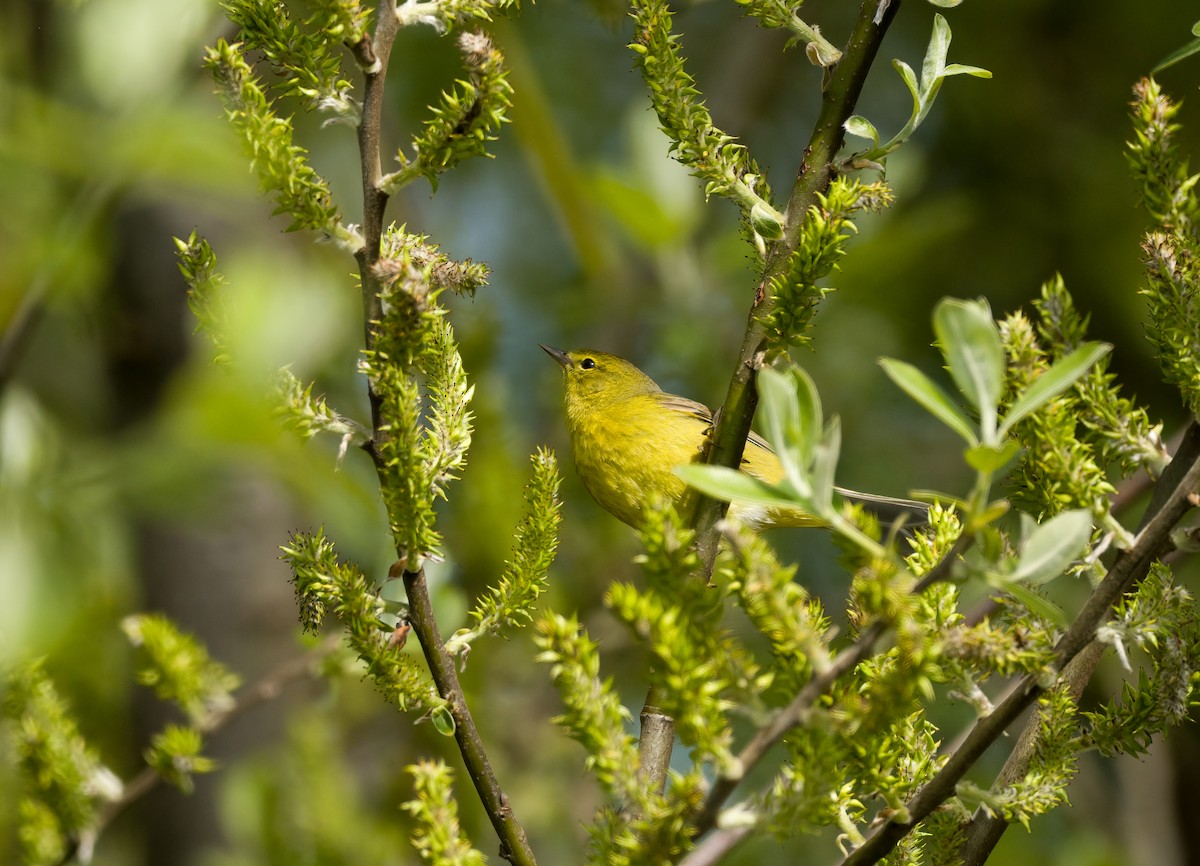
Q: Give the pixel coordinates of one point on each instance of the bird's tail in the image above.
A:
(888, 510)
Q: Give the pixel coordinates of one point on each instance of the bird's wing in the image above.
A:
(699, 410)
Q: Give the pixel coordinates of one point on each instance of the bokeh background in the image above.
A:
(136, 476)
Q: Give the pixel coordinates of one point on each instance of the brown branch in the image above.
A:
(816, 172)
(796, 713)
(983, 831)
(513, 845)
(655, 742)
(1180, 484)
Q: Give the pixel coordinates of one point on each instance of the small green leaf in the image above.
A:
(727, 484)
(1053, 546)
(910, 79)
(824, 467)
(1180, 53)
(1042, 607)
(786, 428)
(935, 54)
(945, 4)
(443, 722)
(811, 418)
(963, 69)
(926, 392)
(970, 342)
(1064, 373)
(991, 458)
(859, 126)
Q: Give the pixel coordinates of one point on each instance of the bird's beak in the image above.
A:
(557, 354)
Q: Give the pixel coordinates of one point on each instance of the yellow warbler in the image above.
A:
(627, 435)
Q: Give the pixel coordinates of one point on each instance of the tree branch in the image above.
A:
(513, 845)
(816, 172)
(1182, 481)
(984, 831)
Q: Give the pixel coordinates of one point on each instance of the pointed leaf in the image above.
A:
(970, 342)
(925, 391)
(783, 424)
(1053, 546)
(1062, 374)
(859, 126)
(1041, 607)
(721, 482)
(991, 458)
(961, 69)
(825, 466)
(910, 79)
(935, 54)
(811, 418)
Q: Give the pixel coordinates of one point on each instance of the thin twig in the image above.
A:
(513, 845)
(372, 57)
(797, 712)
(816, 172)
(267, 687)
(984, 831)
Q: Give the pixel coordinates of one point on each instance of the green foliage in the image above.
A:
(325, 585)
(307, 62)
(198, 264)
(423, 434)
(1120, 430)
(784, 15)
(1051, 768)
(465, 121)
(178, 668)
(594, 715)
(510, 603)
(175, 755)
(307, 415)
(780, 608)
(713, 156)
(934, 71)
(60, 774)
(1171, 251)
(282, 169)
(438, 836)
(826, 228)
(1160, 619)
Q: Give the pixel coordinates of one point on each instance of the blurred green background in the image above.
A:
(136, 476)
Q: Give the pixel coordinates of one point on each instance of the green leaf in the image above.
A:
(1064, 373)
(1180, 53)
(935, 54)
(910, 79)
(1053, 546)
(1042, 607)
(991, 458)
(963, 69)
(787, 429)
(443, 722)
(926, 392)
(859, 126)
(945, 4)
(824, 467)
(727, 484)
(970, 342)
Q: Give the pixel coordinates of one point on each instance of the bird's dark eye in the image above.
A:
(587, 364)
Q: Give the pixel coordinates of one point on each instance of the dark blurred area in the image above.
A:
(135, 475)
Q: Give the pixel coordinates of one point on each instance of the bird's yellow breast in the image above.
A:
(626, 457)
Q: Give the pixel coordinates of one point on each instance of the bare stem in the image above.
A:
(513, 845)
